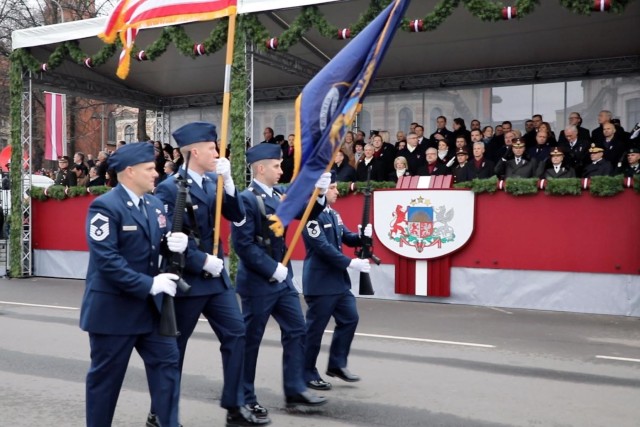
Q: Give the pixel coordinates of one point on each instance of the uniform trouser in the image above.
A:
(320, 308)
(284, 306)
(223, 314)
(110, 356)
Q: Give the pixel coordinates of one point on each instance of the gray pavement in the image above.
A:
(422, 364)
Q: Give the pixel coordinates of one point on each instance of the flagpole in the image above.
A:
(224, 127)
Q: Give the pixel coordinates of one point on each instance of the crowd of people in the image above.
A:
(483, 152)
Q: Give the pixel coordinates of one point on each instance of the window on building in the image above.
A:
(111, 128)
(405, 118)
(633, 113)
(364, 121)
(435, 113)
(129, 133)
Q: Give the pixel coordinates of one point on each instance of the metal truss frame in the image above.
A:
(26, 136)
(162, 125)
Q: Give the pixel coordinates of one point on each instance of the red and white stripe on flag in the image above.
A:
(55, 140)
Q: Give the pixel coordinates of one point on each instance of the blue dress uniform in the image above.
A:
(327, 290)
(261, 297)
(214, 297)
(117, 310)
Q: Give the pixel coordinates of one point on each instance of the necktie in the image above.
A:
(142, 208)
(204, 184)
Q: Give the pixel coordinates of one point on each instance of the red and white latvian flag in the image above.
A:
(55, 139)
(129, 16)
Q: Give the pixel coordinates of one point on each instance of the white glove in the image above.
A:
(213, 265)
(164, 282)
(177, 242)
(281, 273)
(223, 168)
(323, 183)
(361, 265)
(368, 230)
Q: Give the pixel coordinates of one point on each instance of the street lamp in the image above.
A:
(61, 10)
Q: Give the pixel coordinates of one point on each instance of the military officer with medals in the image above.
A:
(126, 230)
(211, 293)
(265, 284)
(327, 291)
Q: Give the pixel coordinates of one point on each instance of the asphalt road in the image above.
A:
(422, 365)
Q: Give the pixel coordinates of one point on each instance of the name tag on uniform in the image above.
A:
(195, 207)
(328, 226)
(129, 227)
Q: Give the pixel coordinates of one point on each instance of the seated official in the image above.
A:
(598, 166)
(462, 170)
(540, 151)
(368, 162)
(480, 167)
(401, 168)
(517, 165)
(433, 165)
(632, 166)
(555, 167)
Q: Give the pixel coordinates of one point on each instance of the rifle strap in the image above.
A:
(265, 239)
(195, 230)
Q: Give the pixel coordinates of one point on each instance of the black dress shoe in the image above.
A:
(152, 420)
(306, 398)
(241, 417)
(257, 409)
(343, 374)
(319, 384)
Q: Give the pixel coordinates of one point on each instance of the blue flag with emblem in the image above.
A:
(328, 105)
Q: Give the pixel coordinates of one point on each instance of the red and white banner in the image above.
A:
(55, 140)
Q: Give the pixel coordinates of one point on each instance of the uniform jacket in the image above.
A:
(509, 169)
(124, 250)
(564, 172)
(66, 177)
(257, 265)
(601, 168)
(204, 205)
(325, 266)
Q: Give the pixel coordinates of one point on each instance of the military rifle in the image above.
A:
(366, 249)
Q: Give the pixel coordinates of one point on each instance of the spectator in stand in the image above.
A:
(167, 151)
(462, 170)
(542, 148)
(79, 159)
(177, 158)
(498, 141)
(94, 179)
(551, 136)
(160, 160)
(495, 153)
(575, 120)
(518, 166)
(576, 149)
(385, 152)
(103, 164)
(476, 136)
(344, 171)
(480, 167)
(361, 136)
(169, 169)
(474, 125)
(459, 129)
(555, 167)
(287, 159)
(445, 153)
(349, 148)
(433, 165)
(368, 159)
(632, 166)
(614, 145)
(441, 132)
(358, 154)
(597, 135)
(82, 175)
(412, 127)
(598, 166)
(422, 140)
(530, 132)
(413, 153)
(401, 145)
(622, 134)
(487, 134)
(498, 131)
(401, 167)
(400, 136)
(528, 126)
(64, 176)
(268, 136)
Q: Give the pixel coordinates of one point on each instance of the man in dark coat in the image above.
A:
(598, 166)
(519, 166)
(480, 167)
(433, 165)
(556, 167)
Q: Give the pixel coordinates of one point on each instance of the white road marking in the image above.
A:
(38, 305)
(500, 310)
(623, 359)
(391, 337)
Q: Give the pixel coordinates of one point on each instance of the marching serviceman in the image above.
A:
(211, 293)
(327, 291)
(124, 290)
(265, 284)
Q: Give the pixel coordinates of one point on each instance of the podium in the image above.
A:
(431, 277)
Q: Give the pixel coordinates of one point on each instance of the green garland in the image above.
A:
(563, 187)
(521, 186)
(606, 186)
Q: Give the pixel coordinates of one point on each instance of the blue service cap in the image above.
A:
(131, 155)
(264, 151)
(195, 132)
